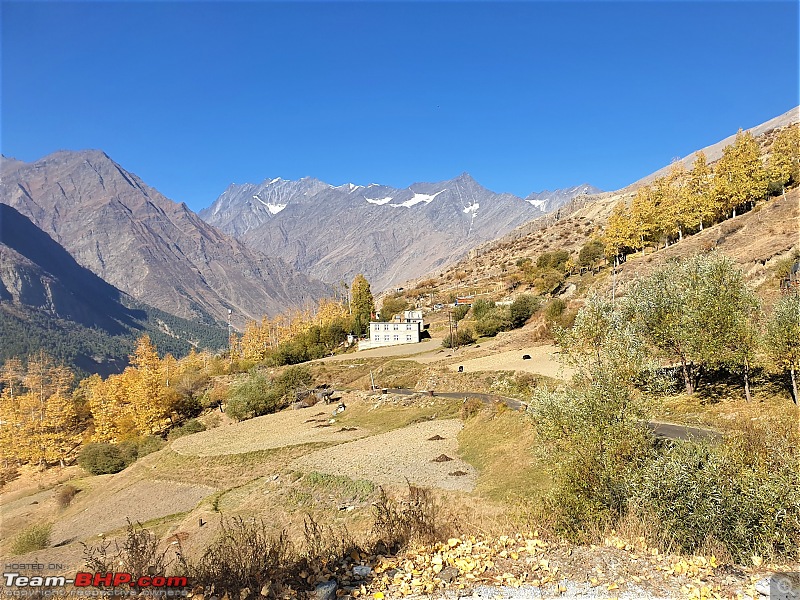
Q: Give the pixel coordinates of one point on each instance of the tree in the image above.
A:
(783, 337)
(698, 312)
(392, 305)
(620, 234)
(362, 304)
(522, 308)
(740, 176)
(149, 407)
(595, 425)
(700, 199)
(591, 253)
(784, 161)
(644, 216)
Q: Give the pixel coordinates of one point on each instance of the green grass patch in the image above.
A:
(35, 537)
(359, 489)
(500, 445)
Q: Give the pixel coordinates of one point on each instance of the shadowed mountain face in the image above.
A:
(49, 302)
(38, 273)
(154, 249)
(391, 235)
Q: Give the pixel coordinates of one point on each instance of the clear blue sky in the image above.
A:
(192, 96)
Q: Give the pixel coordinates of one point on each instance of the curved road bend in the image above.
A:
(669, 431)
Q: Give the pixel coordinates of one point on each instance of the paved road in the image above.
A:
(669, 431)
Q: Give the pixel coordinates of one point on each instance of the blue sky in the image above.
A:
(525, 96)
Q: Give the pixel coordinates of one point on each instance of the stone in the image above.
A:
(361, 570)
(326, 590)
(448, 574)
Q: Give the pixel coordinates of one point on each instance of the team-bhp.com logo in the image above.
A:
(83, 580)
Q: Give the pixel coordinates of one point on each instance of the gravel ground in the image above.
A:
(287, 428)
(390, 458)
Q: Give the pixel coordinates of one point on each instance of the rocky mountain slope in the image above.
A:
(388, 234)
(49, 302)
(156, 250)
(752, 239)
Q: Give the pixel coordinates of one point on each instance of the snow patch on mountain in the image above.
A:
(538, 203)
(379, 201)
(472, 208)
(418, 198)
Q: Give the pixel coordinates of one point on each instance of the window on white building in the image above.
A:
(408, 338)
(385, 338)
(396, 338)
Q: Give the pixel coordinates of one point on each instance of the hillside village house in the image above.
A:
(402, 329)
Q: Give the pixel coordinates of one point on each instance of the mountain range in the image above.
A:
(154, 249)
(388, 234)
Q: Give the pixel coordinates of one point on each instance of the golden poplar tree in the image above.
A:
(783, 166)
(620, 234)
(740, 176)
(700, 193)
(644, 215)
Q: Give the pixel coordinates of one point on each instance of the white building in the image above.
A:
(405, 329)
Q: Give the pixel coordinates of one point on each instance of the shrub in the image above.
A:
(462, 338)
(743, 494)
(553, 311)
(418, 518)
(65, 494)
(35, 537)
(148, 444)
(191, 426)
(553, 260)
(591, 253)
(496, 320)
(522, 309)
(460, 311)
(481, 307)
(101, 458)
(243, 557)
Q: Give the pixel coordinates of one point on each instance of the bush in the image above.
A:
(553, 311)
(65, 494)
(743, 494)
(553, 260)
(147, 445)
(255, 395)
(481, 307)
(102, 458)
(35, 537)
(496, 320)
(462, 338)
(522, 309)
(460, 311)
(418, 518)
(191, 426)
(591, 253)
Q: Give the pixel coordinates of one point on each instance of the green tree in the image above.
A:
(595, 425)
(362, 304)
(591, 253)
(522, 308)
(782, 341)
(698, 312)
(392, 305)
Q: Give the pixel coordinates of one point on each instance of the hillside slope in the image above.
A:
(49, 302)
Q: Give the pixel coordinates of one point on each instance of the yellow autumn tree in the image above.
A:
(739, 176)
(148, 403)
(783, 167)
(644, 216)
(700, 193)
(620, 234)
